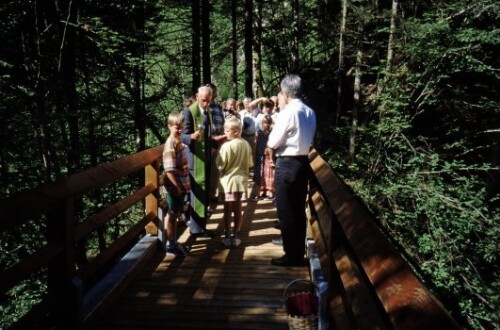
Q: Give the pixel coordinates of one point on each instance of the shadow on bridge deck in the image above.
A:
(214, 287)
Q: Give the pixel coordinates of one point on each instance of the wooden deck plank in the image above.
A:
(214, 287)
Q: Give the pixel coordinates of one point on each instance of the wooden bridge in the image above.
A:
(131, 284)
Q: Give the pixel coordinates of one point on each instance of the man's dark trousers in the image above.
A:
(291, 178)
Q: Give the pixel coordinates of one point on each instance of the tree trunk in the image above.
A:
(138, 79)
(340, 74)
(139, 111)
(43, 132)
(67, 83)
(205, 31)
(257, 67)
(392, 31)
(248, 47)
(390, 47)
(40, 87)
(296, 36)
(195, 54)
(50, 12)
(93, 151)
(357, 92)
(92, 143)
(234, 48)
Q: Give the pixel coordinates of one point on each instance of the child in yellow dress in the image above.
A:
(233, 161)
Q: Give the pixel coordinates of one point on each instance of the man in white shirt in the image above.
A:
(291, 139)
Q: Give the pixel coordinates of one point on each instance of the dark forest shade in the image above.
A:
(85, 82)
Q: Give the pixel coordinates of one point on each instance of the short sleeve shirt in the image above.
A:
(175, 160)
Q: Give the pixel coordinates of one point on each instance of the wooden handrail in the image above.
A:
(99, 220)
(25, 205)
(56, 201)
(374, 286)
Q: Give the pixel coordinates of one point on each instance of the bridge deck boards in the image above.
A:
(214, 287)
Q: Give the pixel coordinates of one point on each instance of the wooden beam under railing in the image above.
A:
(56, 202)
(375, 287)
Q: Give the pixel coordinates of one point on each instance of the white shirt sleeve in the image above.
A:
(293, 133)
(277, 137)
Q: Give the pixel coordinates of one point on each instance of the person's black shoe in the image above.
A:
(277, 241)
(285, 262)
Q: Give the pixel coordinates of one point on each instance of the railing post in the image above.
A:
(151, 173)
(64, 289)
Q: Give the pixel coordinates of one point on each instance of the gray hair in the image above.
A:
(292, 85)
(205, 89)
(247, 100)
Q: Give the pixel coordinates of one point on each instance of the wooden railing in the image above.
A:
(371, 286)
(67, 283)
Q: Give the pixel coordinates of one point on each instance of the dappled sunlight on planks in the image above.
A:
(214, 287)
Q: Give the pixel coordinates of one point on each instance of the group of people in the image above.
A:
(211, 149)
(256, 118)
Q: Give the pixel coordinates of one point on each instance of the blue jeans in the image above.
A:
(291, 179)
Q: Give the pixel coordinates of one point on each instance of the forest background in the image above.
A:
(406, 95)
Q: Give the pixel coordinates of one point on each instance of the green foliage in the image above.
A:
(27, 239)
(112, 50)
(425, 145)
(422, 162)
(437, 211)
(26, 295)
